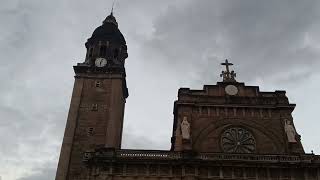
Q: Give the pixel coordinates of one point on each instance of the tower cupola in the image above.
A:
(107, 42)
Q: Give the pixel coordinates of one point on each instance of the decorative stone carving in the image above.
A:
(290, 131)
(238, 140)
(185, 128)
(227, 75)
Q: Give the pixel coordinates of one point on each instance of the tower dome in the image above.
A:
(107, 42)
(108, 31)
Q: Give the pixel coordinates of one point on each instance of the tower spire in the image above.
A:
(113, 3)
(111, 19)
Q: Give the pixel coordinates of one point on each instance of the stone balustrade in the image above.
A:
(126, 154)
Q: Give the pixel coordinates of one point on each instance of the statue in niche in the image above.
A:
(290, 131)
(185, 128)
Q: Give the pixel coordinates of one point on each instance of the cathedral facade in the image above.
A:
(223, 131)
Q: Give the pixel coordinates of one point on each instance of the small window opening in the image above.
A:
(116, 53)
(98, 84)
(86, 156)
(90, 131)
(94, 107)
(103, 49)
(90, 52)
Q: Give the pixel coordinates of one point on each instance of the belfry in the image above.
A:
(221, 132)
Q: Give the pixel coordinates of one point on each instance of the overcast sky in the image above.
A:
(274, 44)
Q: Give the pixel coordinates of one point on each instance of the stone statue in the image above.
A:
(227, 75)
(233, 75)
(224, 76)
(185, 128)
(290, 131)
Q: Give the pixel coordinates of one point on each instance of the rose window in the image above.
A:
(238, 140)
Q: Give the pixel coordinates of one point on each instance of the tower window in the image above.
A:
(90, 131)
(102, 50)
(115, 53)
(86, 156)
(98, 84)
(94, 107)
(90, 52)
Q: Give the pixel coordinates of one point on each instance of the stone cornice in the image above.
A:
(111, 155)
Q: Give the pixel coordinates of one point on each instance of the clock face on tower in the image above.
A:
(100, 62)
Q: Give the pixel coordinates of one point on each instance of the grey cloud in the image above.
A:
(171, 44)
(259, 37)
(40, 42)
(45, 172)
(34, 99)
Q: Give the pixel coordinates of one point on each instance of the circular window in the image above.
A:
(238, 140)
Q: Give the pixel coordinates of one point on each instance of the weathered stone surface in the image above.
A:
(211, 111)
(224, 131)
(133, 164)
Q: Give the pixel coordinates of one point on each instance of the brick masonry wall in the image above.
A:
(95, 120)
(211, 111)
(173, 170)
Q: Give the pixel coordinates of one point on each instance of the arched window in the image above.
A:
(90, 52)
(115, 53)
(102, 51)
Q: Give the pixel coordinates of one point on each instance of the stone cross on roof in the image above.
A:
(227, 75)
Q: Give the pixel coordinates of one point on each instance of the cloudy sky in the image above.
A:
(274, 44)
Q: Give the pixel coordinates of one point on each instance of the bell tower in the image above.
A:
(95, 118)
